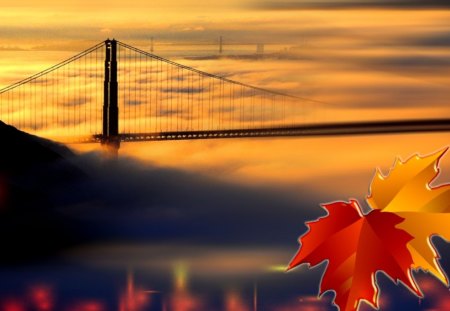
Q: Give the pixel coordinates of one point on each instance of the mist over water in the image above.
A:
(145, 237)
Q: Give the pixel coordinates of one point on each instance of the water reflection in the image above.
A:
(72, 289)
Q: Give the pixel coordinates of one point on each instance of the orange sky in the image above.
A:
(364, 63)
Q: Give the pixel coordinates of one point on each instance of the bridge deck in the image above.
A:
(326, 129)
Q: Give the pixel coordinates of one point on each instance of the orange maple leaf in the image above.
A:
(407, 192)
(357, 246)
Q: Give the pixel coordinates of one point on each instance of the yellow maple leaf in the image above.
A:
(406, 191)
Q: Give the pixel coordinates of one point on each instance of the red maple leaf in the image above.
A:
(356, 246)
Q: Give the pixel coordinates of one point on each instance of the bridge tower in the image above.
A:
(110, 135)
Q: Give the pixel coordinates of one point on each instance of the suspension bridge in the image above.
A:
(114, 92)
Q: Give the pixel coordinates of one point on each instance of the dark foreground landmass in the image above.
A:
(32, 171)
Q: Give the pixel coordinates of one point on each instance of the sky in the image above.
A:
(361, 59)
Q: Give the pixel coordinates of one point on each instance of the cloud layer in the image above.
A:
(350, 4)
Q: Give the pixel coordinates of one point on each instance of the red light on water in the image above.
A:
(182, 301)
(42, 298)
(13, 305)
(142, 298)
(305, 303)
(134, 301)
(436, 293)
(88, 306)
(234, 302)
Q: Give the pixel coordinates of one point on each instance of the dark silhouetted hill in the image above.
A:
(32, 169)
(22, 152)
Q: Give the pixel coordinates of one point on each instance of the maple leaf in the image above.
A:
(406, 191)
(357, 246)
